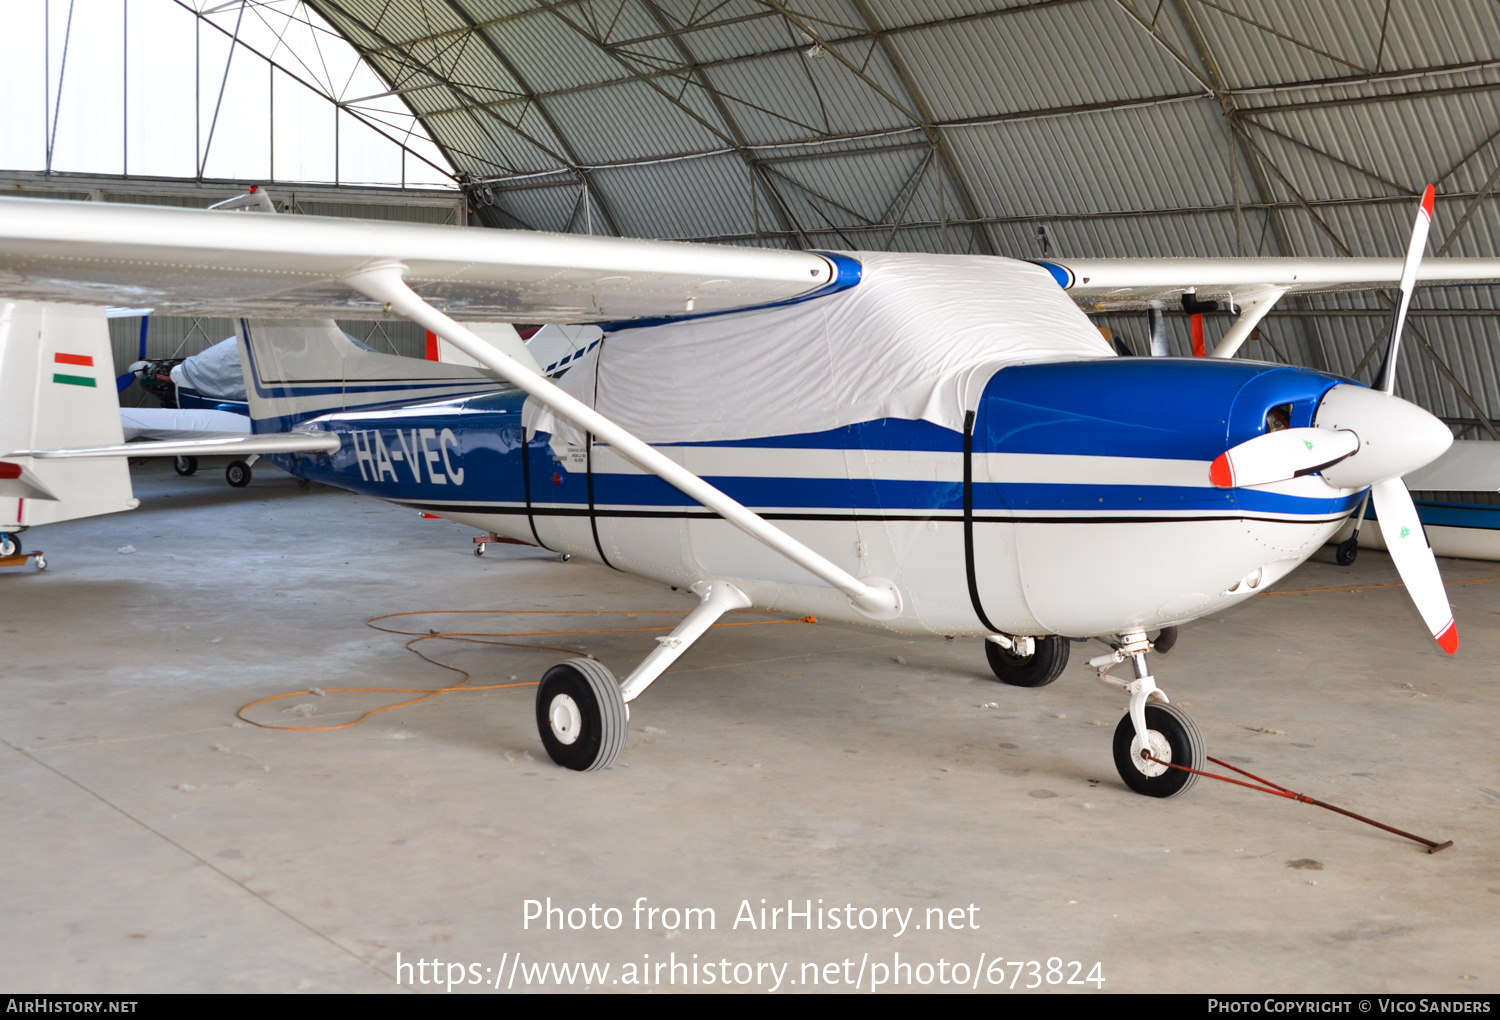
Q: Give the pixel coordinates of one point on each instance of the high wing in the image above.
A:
(186, 261)
(203, 262)
(1250, 286)
(1104, 285)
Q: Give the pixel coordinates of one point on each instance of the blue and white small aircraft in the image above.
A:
(921, 443)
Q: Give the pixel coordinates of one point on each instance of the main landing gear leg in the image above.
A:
(1152, 726)
(581, 709)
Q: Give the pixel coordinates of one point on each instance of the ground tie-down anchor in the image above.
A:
(1281, 791)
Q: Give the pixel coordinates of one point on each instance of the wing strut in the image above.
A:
(875, 597)
(1252, 310)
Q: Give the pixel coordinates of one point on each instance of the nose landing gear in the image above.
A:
(1151, 727)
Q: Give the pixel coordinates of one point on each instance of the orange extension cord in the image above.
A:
(486, 638)
(480, 638)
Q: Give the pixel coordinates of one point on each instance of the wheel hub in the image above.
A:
(566, 719)
(1160, 750)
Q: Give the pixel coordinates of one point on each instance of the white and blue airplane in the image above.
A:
(925, 444)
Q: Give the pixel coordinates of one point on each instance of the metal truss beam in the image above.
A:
(852, 32)
(867, 36)
(928, 122)
(210, 190)
(588, 186)
(338, 15)
(1123, 214)
(200, 157)
(753, 164)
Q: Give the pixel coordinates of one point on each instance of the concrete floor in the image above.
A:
(154, 844)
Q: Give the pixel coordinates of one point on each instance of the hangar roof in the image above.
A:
(1119, 127)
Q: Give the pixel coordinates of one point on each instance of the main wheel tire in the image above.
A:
(10, 545)
(1174, 738)
(1035, 670)
(580, 715)
(237, 474)
(185, 465)
(1347, 551)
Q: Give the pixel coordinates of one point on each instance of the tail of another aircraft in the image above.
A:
(296, 370)
(57, 389)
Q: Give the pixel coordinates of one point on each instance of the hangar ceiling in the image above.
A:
(1087, 128)
(1126, 127)
(1117, 127)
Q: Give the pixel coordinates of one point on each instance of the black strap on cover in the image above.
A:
(593, 517)
(969, 523)
(526, 484)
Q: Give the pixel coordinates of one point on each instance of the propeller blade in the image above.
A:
(1385, 379)
(1402, 531)
(1277, 456)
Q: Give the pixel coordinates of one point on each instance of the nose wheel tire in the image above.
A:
(1036, 670)
(10, 545)
(580, 714)
(1174, 738)
(185, 465)
(237, 474)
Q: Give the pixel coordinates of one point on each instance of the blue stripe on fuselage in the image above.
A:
(1097, 408)
(898, 494)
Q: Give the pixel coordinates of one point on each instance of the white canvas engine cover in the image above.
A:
(215, 373)
(916, 338)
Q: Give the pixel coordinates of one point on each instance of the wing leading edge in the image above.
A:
(197, 262)
(1250, 286)
(1104, 285)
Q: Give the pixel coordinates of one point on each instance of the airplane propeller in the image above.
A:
(1403, 534)
(1277, 456)
(1367, 437)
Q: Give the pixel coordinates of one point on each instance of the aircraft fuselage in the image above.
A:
(1073, 477)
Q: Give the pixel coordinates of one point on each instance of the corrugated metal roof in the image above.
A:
(1126, 128)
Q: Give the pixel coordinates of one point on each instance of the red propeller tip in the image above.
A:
(1221, 472)
(1448, 637)
(1427, 197)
